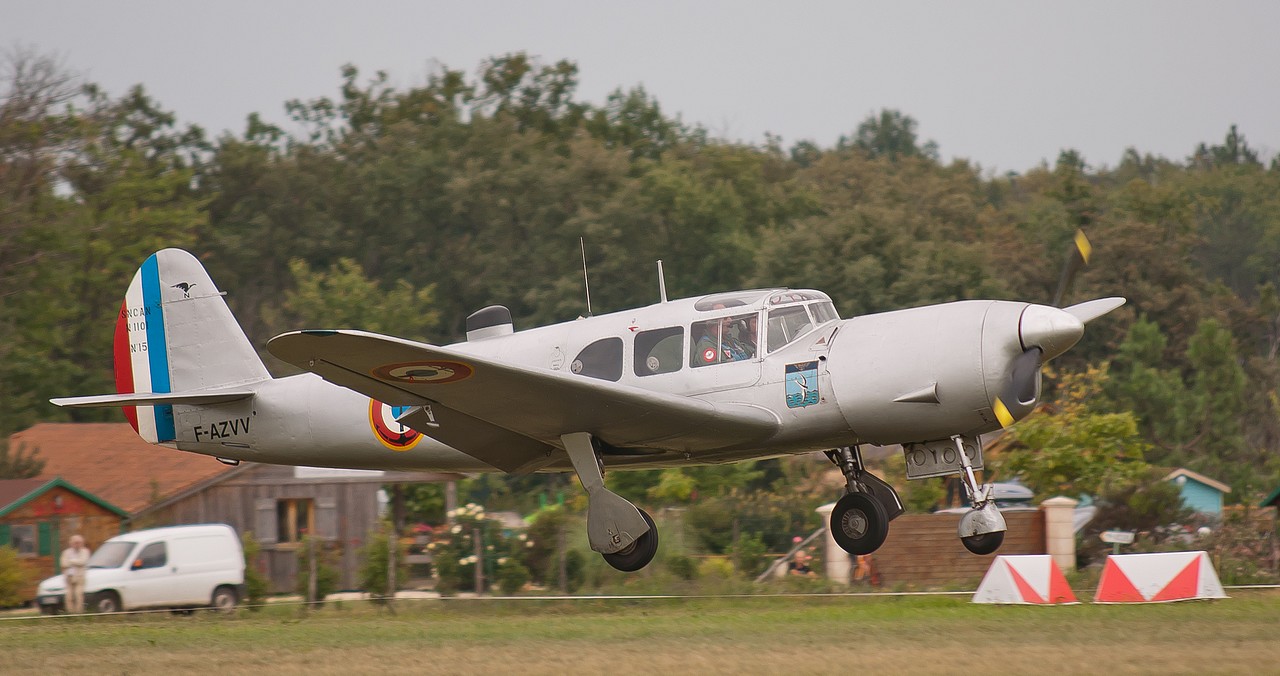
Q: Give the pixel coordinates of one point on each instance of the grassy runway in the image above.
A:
(764, 635)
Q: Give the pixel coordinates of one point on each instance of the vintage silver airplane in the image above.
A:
(718, 378)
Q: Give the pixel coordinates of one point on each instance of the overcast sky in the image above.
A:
(1005, 84)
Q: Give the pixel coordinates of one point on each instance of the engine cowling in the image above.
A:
(932, 372)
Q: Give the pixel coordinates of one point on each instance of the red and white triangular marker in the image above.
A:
(1158, 577)
(1030, 579)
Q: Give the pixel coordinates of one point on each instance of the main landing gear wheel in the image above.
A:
(859, 524)
(638, 554)
(983, 544)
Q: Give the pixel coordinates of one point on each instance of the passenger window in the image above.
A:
(152, 556)
(601, 359)
(726, 339)
(659, 351)
(786, 324)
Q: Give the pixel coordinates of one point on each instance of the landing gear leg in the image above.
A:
(860, 520)
(623, 533)
(982, 528)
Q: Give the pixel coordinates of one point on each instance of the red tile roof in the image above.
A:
(12, 490)
(110, 461)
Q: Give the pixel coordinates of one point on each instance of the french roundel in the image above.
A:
(424, 372)
(392, 434)
(709, 355)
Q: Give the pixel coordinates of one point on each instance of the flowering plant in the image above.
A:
(456, 556)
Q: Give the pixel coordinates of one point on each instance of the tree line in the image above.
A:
(404, 209)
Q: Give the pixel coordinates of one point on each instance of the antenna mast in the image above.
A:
(662, 283)
(586, 283)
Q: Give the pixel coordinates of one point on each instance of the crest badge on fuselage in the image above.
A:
(802, 384)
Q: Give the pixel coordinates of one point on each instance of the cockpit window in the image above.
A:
(793, 296)
(823, 312)
(786, 324)
(659, 351)
(716, 341)
(601, 359)
(728, 300)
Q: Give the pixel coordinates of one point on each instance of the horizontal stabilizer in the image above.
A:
(153, 399)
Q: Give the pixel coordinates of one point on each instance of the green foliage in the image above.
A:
(373, 567)
(749, 554)
(717, 567)
(504, 556)
(1068, 448)
(512, 576)
(890, 134)
(326, 564)
(21, 463)
(1242, 547)
(575, 564)
(404, 209)
(343, 297)
(682, 566)
(256, 583)
(1148, 505)
(14, 577)
(772, 517)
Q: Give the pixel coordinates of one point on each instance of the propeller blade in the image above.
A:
(1020, 391)
(1077, 258)
(1091, 310)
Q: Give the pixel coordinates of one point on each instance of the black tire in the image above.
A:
(859, 524)
(224, 599)
(984, 544)
(108, 602)
(638, 554)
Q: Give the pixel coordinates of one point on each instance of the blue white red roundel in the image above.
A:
(392, 434)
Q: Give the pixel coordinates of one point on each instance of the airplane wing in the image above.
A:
(522, 411)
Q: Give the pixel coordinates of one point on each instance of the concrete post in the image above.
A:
(1059, 531)
(837, 565)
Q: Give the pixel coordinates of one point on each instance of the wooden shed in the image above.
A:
(159, 486)
(39, 516)
(1199, 493)
(280, 504)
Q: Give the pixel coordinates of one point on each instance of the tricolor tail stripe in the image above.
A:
(124, 362)
(157, 350)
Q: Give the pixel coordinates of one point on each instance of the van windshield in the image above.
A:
(111, 554)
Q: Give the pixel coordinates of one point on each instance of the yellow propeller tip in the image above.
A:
(1003, 414)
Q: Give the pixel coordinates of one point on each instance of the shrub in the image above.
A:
(14, 576)
(716, 567)
(326, 569)
(749, 554)
(256, 584)
(453, 550)
(683, 567)
(373, 570)
(512, 575)
(575, 565)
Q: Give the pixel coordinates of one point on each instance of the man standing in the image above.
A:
(74, 560)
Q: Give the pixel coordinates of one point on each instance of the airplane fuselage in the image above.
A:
(828, 382)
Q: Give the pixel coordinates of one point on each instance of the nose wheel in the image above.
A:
(984, 544)
(859, 524)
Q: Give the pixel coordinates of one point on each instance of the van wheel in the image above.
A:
(224, 599)
(108, 602)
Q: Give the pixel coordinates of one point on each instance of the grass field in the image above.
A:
(794, 635)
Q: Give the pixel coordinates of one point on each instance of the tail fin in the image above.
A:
(175, 335)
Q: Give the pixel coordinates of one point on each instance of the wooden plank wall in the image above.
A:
(923, 551)
(234, 502)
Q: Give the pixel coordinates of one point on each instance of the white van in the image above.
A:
(175, 567)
